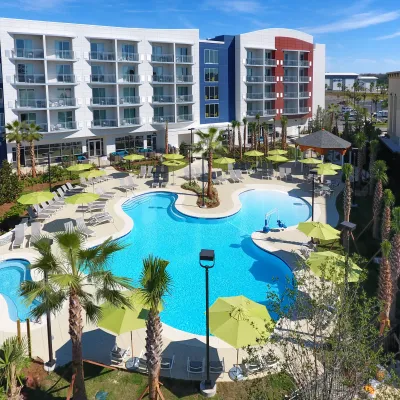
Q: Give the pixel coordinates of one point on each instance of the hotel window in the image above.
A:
(210, 56)
(211, 92)
(211, 74)
(62, 49)
(212, 110)
(24, 47)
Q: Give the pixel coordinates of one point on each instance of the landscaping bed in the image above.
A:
(194, 187)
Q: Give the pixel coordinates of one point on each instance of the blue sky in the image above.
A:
(360, 36)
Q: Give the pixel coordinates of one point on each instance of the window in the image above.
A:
(62, 49)
(128, 142)
(64, 93)
(99, 115)
(158, 111)
(128, 70)
(212, 110)
(96, 51)
(129, 92)
(211, 92)
(181, 51)
(211, 74)
(210, 56)
(65, 119)
(29, 118)
(129, 113)
(128, 49)
(99, 93)
(24, 47)
(157, 50)
(64, 73)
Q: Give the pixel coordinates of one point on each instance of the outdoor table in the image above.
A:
(236, 373)
(132, 364)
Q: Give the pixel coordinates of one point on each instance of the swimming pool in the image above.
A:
(240, 266)
(12, 273)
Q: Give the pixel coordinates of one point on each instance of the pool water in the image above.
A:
(240, 266)
(12, 273)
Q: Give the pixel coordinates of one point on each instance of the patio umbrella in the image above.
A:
(82, 198)
(318, 230)
(277, 158)
(133, 157)
(277, 152)
(35, 197)
(311, 161)
(92, 174)
(173, 156)
(324, 171)
(175, 164)
(253, 153)
(330, 166)
(223, 161)
(334, 266)
(79, 167)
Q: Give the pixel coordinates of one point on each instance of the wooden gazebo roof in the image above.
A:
(323, 141)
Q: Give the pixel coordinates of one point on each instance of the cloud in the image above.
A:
(364, 61)
(353, 22)
(355, 8)
(236, 6)
(391, 61)
(37, 5)
(393, 35)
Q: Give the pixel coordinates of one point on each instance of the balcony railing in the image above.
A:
(304, 94)
(184, 59)
(290, 63)
(42, 126)
(270, 61)
(103, 101)
(304, 79)
(31, 103)
(270, 95)
(130, 121)
(163, 78)
(126, 56)
(290, 79)
(186, 98)
(59, 103)
(63, 126)
(290, 111)
(129, 100)
(29, 78)
(104, 123)
(184, 78)
(269, 111)
(163, 99)
(64, 54)
(254, 96)
(253, 113)
(62, 78)
(163, 119)
(25, 53)
(290, 95)
(254, 61)
(102, 55)
(130, 78)
(254, 79)
(185, 118)
(162, 58)
(304, 63)
(104, 78)
(304, 110)
(269, 78)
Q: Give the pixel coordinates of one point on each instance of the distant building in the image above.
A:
(340, 80)
(393, 142)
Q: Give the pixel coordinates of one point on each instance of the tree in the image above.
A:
(388, 202)
(244, 120)
(375, 101)
(347, 126)
(258, 131)
(32, 135)
(379, 173)
(232, 144)
(155, 284)
(265, 129)
(13, 359)
(210, 142)
(284, 123)
(385, 289)
(81, 276)
(252, 128)
(373, 151)
(239, 140)
(360, 142)
(166, 137)
(339, 85)
(347, 172)
(14, 133)
(333, 111)
(394, 257)
(10, 187)
(371, 87)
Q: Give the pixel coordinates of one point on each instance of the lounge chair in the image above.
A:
(230, 168)
(82, 228)
(214, 179)
(156, 181)
(41, 210)
(233, 178)
(34, 216)
(103, 194)
(288, 172)
(217, 367)
(6, 238)
(142, 173)
(130, 182)
(35, 233)
(19, 236)
(149, 172)
(61, 193)
(84, 183)
(194, 367)
(75, 188)
(100, 218)
(53, 205)
(239, 175)
(282, 174)
(253, 366)
(123, 186)
(69, 227)
(167, 364)
(58, 200)
(221, 179)
(96, 205)
(119, 355)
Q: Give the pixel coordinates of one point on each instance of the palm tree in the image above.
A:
(373, 151)
(385, 289)
(266, 137)
(32, 135)
(12, 360)
(166, 137)
(360, 141)
(258, 131)
(347, 172)
(379, 173)
(333, 110)
(82, 277)
(244, 120)
(252, 129)
(232, 144)
(155, 284)
(394, 257)
(210, 142)
(229, 138)
(14, 133)
(388, 202)
(339, 85)
(284, 123)
(239, 140)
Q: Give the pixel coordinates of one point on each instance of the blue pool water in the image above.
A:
(240, 266)
(12, 273)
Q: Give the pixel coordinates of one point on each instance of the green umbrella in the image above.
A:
(324, 171)
(79, 167)
(35, 197)
(253, 153)
(82, 198)
(173, 156)
(92, 174)
(134, 157)
(311, 160)
(224, 161)
(277, 152)
(318, 230)
(277, 158)
(332, 266)
(330, 166)
(175, 164)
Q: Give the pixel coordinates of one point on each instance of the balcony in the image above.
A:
(254, 79)
(304, 63)
(290, 110)
(163, 99)
(269, 79)
(304, 95)
(184, 59)
(61, 55)
(184, 79)
(61, 78)
(102, 55)
(253, 113)
(129, 78)
(63, 126)
(128, 57)
(254, 96)
(270, 95)
(304, 110)
(163, 119)
(62, 103)
(31, 103)
(290, 63)
(42, 126)
(304, 79)
(186, 98)
(103, 101)
(28, 54)
(104, 123)
(290, 79)
(129, 100)
(291, 95)
(130, 121)
(255, 61)
(270, 62)
(162, 58)
(269, 112)
(163, 79)
(103, 78)
(30, 79)
(185, 118)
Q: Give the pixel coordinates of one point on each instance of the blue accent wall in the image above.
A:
(226, 83)
(3, 145)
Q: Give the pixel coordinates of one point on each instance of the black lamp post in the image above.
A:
(48, 166)
(190, 155)
(354, 151)
(313, 173)
(347, 228)
(207, 261)
(203, 205)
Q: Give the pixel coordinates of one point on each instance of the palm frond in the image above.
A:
(66, 281)
(92, 310)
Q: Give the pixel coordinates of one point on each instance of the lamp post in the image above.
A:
(48, 167)
(298, 128)
(354, 150)
(207, 261)
(347, 228)
(190, 155)
(313, 173)
(203, 205)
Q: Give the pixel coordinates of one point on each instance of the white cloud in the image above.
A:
(393, 35)
(353, 22)
(37, 5)
(236, 6)
(391, 61)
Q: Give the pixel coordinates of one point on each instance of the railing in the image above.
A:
(63, 78)
(43, 127)
(185, 118)
(63, 126)
(270, 95)
(304, 109)
(269, 78)
(102, 55)
(104, 123)
(1, 120)
(126, 56)
(184, 59)
(130, 121)
(269, 111)
(24, 53)
(254, 96)
(290, 111)
(163, 99)
(290, 79)
(304, 63)
(290, 63)
(304, 79)
(184, 78)
(129, 100)
(162, 58)
(270, 61)
(255, 61)
(304, 94)
(160, 120)
(103, 101)
(290, 95)
(254, 79)
(163, 78)
(31, 103)
(64, 54)
(29, 78)
(106, 78)
(186, 98)
(253, 113)
(66, 102)
(130, 78)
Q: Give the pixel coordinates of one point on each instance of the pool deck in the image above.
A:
(97, 343)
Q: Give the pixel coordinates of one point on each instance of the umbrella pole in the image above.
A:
(131, 345)
(237, 357)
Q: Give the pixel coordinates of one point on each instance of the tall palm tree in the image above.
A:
(284, 123)
(258, 131)
(82, 277)
(347, 172)
(252, 130)
(232, 144)
(239, 140)
(388, 202)
(155, 284)
(333, 110)
(373, 151)
(166, 137)
(210, 142)
(14, 133)
(266, 137)
(13, 359)
(244, 120)
(229, 138)
(379, 173)
(32, 135)
(274, 135)
(360, 142)
(339, 85)
(395, 251)
(385, 288)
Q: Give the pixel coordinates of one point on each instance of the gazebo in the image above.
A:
(322, 142)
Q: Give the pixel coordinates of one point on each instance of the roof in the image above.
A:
(341, 74)
(323, 140)
(367, 77)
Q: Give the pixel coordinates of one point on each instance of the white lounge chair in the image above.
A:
(82, 228)
(75, 188)
(215, 179)
(149, 172)
(69, 227)
(34, 216)
(195, 367)
(58, 200)
(130, 182)
(52, 205)
(100, 218)
(35, 232)
(6, 238)
(233, 178)
(119, 355)
(239, 175)
(41, 210)
(96, 205)
(123, 186)
(288, 172)
(281, 175)
(142, 173)
(222, 179)
(19, 236)
(103, 194)
(167, 364)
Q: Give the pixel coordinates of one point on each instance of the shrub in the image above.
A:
(10, 187)
(12, 217)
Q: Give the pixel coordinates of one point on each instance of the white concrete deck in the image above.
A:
(97, 343)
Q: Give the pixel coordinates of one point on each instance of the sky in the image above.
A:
(361, 36)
